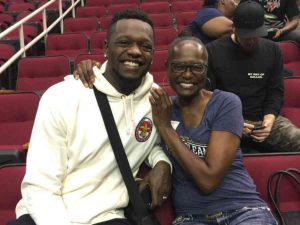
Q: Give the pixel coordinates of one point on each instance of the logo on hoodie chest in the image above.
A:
(143, 130)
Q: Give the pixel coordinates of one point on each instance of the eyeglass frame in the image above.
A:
(190, 66)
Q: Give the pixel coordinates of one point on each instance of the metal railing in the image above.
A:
(19, 25)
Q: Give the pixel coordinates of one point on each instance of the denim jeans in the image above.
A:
(243, 216)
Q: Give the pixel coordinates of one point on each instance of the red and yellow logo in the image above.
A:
(143, 130)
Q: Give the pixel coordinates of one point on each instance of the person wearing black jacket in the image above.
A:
(251, 67)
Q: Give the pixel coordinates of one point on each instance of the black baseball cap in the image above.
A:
(248, 20)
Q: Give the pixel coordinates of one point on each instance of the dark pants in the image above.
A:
(27, 220)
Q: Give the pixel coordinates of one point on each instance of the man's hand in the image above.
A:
(84, 72)
(159, 179)
(247, 129)
(262, 134)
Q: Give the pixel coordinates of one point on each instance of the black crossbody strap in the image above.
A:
(120, 155)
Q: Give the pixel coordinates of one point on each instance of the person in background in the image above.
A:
(201, 131)
(213, 20)
(251, 67)
(282, 19)
(72, 177)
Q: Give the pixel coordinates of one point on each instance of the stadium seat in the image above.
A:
(7, 19)
(86, 25)
(97, 42)
(70, 44)
(112, 9)
(164, 37)
(30, 32)
(183, 19)
(16, 122)
(184, 6)
(10, 191)
(158, 68)
(6, 52)
(291, 104)
(105, 22)
(155, 7)
(125, 1)
(162, 20)
(90, 11)
(291, 56)
(19, 7)
(39, 73)
(260, 167)
(37, 20)
(105, 3)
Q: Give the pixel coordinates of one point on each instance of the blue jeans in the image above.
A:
(243, 216)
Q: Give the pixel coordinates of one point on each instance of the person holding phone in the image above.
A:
(251, 67)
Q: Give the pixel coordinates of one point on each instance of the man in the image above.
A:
(251, 67)
(72, 177)
(213, 20)
(281, 19)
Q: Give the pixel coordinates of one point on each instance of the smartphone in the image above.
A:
(259, 127)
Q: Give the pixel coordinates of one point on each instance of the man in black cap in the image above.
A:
(251, 67)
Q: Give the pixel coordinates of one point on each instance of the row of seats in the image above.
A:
(12, 175)
(38, 73)
(107, 3)
(17, 116)
(72, 44)
(150, 7)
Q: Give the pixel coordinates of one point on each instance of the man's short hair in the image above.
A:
(128, 14)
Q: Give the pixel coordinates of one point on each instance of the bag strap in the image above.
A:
(120, 155)
(292, 174)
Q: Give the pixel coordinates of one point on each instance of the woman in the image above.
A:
(202, 131)
(213, 20)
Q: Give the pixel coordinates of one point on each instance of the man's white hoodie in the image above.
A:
(72, 177)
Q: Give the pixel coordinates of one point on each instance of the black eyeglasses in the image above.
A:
(196, 68)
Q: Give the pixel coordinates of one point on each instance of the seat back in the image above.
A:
(90, 11)
(164, 37)
(105, 22)
(19, 7)
(260, 167)
(162, 20)
(105, 3)
(16, 118)
(86, 25)
(183, 18)
(39, 73)
(70, 44)
(184, 6)
(11, 177)
(112, 9)
(291, 104)
(158, 68)
(155, 7)
(97, 42)
(291, 56)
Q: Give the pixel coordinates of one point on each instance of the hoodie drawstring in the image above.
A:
(129, 121)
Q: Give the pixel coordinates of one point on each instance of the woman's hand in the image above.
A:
(84, 72)
(161, 107)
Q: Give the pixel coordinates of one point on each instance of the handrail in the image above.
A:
(19, 24)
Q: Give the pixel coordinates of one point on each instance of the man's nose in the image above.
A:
(134, 49)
